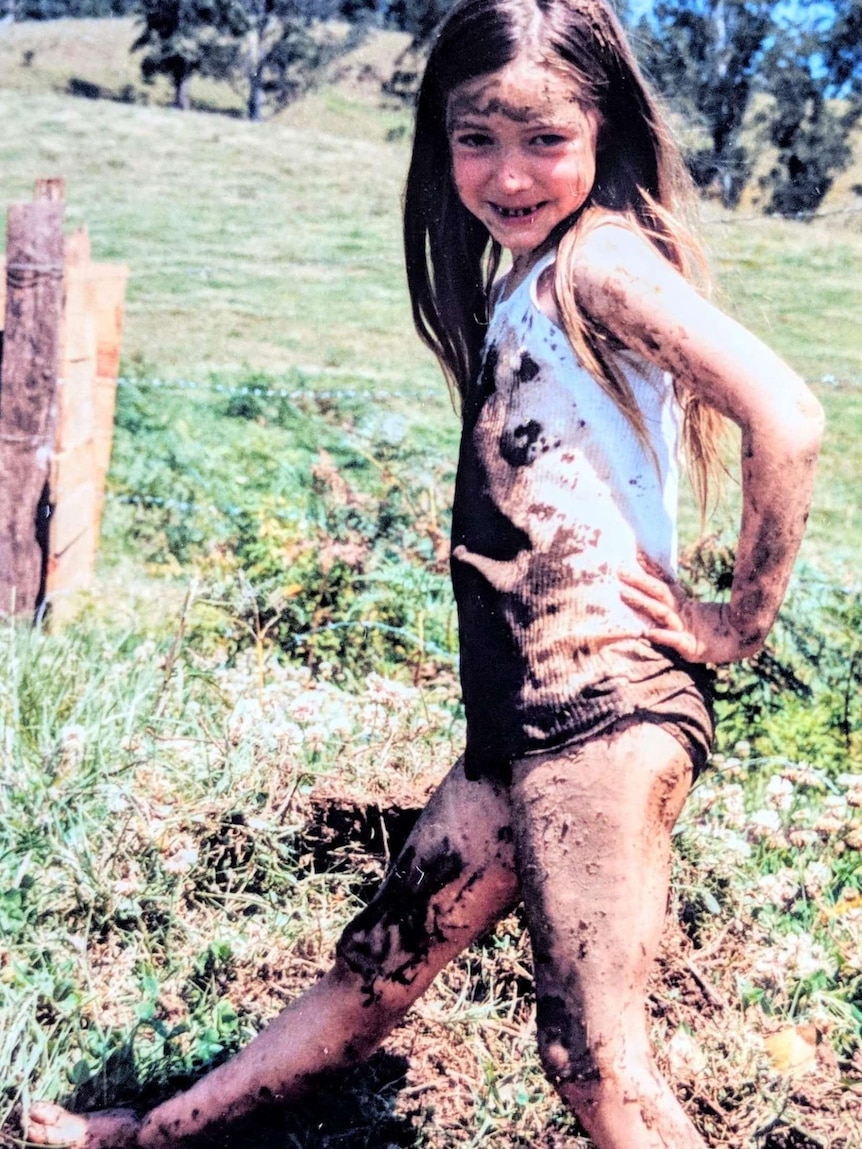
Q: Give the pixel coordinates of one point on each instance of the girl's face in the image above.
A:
(523, 152)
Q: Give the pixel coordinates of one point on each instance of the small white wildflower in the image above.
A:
(830, 824)
(732, 842)
(764, 824)
(802, 775)
(73, 742)
(780, 792)
(181, 860)
(395, 695)
(733, 800)
(145, 652)
(795, 956)
(801, 838)
(835, 803)
(779, 889)
(127, 887)
(816, 877)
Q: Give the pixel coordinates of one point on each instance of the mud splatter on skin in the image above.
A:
(481, 103)
(390, 939)
(564, 1044)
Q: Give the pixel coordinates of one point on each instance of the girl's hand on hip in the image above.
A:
(699, 631)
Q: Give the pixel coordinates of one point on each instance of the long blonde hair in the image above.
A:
(452, 260)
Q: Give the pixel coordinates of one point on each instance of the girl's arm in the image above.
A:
(630, 289)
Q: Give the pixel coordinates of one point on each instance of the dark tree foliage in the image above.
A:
(704, 56)
(806, 123)
(268, 46)
(58, 9)
(278, 55)
(710, 58)
(181, 38)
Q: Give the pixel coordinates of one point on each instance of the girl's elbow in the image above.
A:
(811, 427)
(804, 424)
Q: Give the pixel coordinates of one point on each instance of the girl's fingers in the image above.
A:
(663, 611)
(682, 642)
(651, 587)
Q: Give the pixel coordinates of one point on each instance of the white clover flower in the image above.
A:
(733, 799)
(765, 824)
(392, 694)
(731, 841)
(835, 803)
(802, 775)
(829, 823)
(780, 792)
(795, 956)
(181, 859)
(816, 877)
(779, 889)
(801, 838)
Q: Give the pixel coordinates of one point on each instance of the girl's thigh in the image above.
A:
(454, 878)
(592, 836)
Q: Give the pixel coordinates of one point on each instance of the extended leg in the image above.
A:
(453, 879)
(592, 836)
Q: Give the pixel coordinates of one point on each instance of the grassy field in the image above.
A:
(187, 818)
(276, 246)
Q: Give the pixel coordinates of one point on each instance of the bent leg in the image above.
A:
(453, 879)
(592, 836)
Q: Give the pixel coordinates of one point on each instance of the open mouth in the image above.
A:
(515, 212)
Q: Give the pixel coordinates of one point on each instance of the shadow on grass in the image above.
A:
(354, 1109)
(130, 94)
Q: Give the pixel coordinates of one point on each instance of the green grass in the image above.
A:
(273, 246)
(157, 882)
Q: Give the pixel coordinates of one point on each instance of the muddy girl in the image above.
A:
(551, 272)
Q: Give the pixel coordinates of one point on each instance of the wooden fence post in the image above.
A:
(28, 389)
(89, 363)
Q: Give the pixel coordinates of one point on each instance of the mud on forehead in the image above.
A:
(503, 94)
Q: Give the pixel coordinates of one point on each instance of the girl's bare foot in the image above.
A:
(48, 1124)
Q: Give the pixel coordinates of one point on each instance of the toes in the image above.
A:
(49, 1124)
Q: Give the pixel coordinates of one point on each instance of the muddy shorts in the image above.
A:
(674, 694)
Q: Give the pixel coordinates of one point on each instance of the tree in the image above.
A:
(711, 57)
(704, 56)
(272, 47)
(280, 50)
(812, 111)
(57, 9)
(181, 38)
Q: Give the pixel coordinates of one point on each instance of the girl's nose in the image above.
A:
(514, 173)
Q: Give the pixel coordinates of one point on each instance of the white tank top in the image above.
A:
(554, 495)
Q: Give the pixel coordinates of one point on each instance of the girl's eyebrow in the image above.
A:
(461, 107)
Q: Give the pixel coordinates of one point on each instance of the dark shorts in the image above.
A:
(675, 694)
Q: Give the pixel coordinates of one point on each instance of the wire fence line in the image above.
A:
(256, 390)
(796, 217)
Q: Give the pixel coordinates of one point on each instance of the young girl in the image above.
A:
(579, 371)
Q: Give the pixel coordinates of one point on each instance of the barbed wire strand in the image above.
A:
(254, 390)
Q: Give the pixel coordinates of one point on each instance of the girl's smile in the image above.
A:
(523, 152)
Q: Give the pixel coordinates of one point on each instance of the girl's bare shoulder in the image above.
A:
(613, 257)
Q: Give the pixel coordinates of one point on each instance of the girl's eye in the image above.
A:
(549, 139)
(473, 140)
